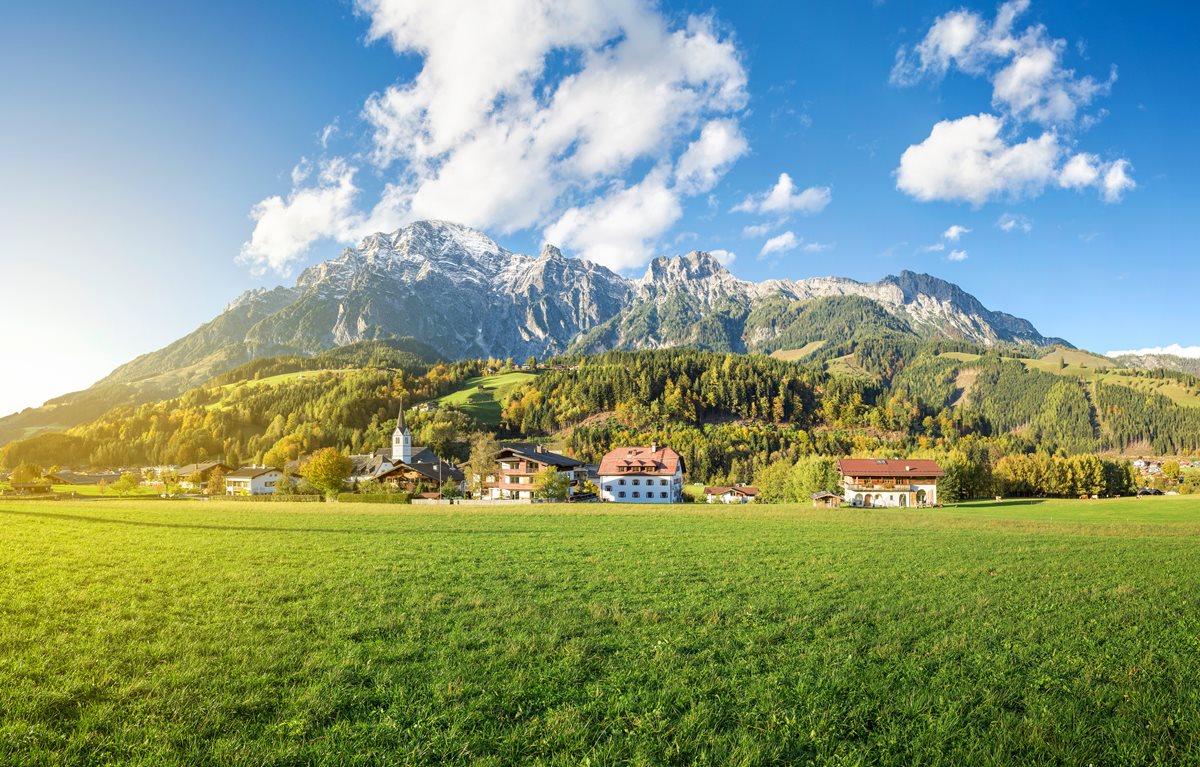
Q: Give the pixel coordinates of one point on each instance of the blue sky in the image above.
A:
(160, 160)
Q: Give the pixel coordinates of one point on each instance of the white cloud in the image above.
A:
(1011, 222)
(954, 232)
(496, 131)
(285, 228)
(1116, 181)
(616, 229)
(935, 248)
(984, 157)
(707, 158)
(817, 247)
(1191, 352)
(957, 255)
(968, 160)
(756, 230)
(726, 257)
(779, 244)
(783, 198)
(1085, 170)
(1026, 69)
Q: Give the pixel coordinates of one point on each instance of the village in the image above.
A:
(520, 473)
(517, 473)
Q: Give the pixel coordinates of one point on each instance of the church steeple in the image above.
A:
(401, 439)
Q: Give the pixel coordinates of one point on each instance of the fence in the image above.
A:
(272, 498)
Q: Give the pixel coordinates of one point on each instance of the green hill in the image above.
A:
(481, 397)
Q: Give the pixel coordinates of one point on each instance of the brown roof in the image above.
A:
(742, 490)
(881, 467)
(656, 461)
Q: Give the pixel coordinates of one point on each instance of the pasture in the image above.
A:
(175, 632)
(481, 397)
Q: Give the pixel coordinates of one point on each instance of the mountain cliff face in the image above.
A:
(456, 290)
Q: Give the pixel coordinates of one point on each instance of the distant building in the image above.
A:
(30, 488)
(879, 482)
(826, 499)
(408, 466)
(642, 475)
(73, 478)
(204, 470)
(736, 494)
(517, 465)
(252, 480)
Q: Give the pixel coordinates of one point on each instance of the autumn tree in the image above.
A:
(216, 482)
(125, 484)
(484, 449)
(26, 472)
(327, 470)
(550, 484)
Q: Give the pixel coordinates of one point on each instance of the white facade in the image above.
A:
(730, 495)
(915, 494)
(642, 488)
(260, 484)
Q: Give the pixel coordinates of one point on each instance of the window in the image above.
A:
(636, 494)
(622, 481)
(622, 493)
(637, 482)
(662, 482)
(664, 495)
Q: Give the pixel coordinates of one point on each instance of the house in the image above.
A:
(735, 494)
(877, 482)
(252, 480)
(204, 470)
(642, 475)
(826, 499)
(72, 478)
(30, 488)
(371, 465)
(407, 466)
(517, 465)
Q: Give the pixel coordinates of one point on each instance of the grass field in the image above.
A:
(97, 490)
(1064, 632)
(481, 397)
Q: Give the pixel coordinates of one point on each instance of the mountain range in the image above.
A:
(457, 292)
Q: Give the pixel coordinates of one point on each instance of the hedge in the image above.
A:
(381, 498)
(273, 498)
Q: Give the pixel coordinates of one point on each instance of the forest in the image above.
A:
(733, 417)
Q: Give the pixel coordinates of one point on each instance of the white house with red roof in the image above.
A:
(641, 475)
(876, 482)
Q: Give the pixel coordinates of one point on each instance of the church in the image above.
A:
(404, 466)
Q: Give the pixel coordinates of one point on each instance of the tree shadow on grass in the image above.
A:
(1013, 502)
(260, 528)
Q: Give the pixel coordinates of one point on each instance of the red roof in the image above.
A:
(653, 460)
(881, 467)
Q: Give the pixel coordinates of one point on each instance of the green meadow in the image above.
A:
(481, 397)
(194, 633)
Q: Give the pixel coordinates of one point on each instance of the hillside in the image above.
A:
(481, 398)
(459, 294)
(729, 415)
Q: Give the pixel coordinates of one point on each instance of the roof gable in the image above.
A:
(653, 460)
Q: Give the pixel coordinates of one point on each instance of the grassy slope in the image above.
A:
(484, 405)
(791, 355)
(1085, 366)
(276, 380)
(188, 633)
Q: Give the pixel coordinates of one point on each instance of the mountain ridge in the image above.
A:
(455, 289)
